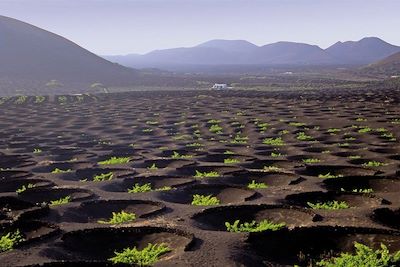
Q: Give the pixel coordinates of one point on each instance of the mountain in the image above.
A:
(230, 45)
(389, 66)
(364, 51)
(241, 52)
(33, 54)
(290, 53)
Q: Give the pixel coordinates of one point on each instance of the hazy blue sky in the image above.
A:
(138, 26)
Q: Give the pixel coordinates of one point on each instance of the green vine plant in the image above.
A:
(103, 177)
(115, 160)
(138, 188)
(60, 201)
(145, 257)
(153, 167)
(57, 171)
(10, 240)
(329, 205)
(253, 226)
(202, 200)
(119, 217)
(254, 185)
(23, 188)
(210, 174)
(363, 257)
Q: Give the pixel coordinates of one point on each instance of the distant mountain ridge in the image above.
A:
(241, 52)
(364, 51)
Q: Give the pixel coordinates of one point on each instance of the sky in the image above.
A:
(111, 27)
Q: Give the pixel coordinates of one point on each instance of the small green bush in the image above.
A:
(145, 257)
(10, 240)
(211, 174)
(231, 161)
(57, 170)
(329, 205)
(120, 217)
(61, 201)
(329, 176)
(215, 128)
(253, 226)
(254, 185)
(103, 177)
(274, 141)
(363, 257)
(138, 188)
(303, 137)
(374, 163)
(311, 160)
(37, 151)
(176, 155)
(201, 200)
(272, 169)
(23, 188)
(153, 167)
(115, 160)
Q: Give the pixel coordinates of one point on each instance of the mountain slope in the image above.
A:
(28, 52)
(388, 66)
(364, 51)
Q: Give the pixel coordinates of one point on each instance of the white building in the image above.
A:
(220, 86)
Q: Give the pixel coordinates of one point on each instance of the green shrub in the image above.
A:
(176, 155)
(365, 130)
(374, 164)
(10, 240)
(329, 205)
(145, 257)
(39, 99)
(57, 170)
(215, 128)
(115, 160)
(60, 201)
(37, 151)
(120, 217)
(303, 137)
(201, 200)
(274, 141)
(153, 167)
(276, 155)
(253, 226)
(333, 130)
(164, 188)
(210, 174)
(272, 169)
(254, 185)
(103, 177)
(363, 257)
(138, 188)
(231, 161)
(361, 190)
(23, 188)
(311, 160)
(329, 176)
